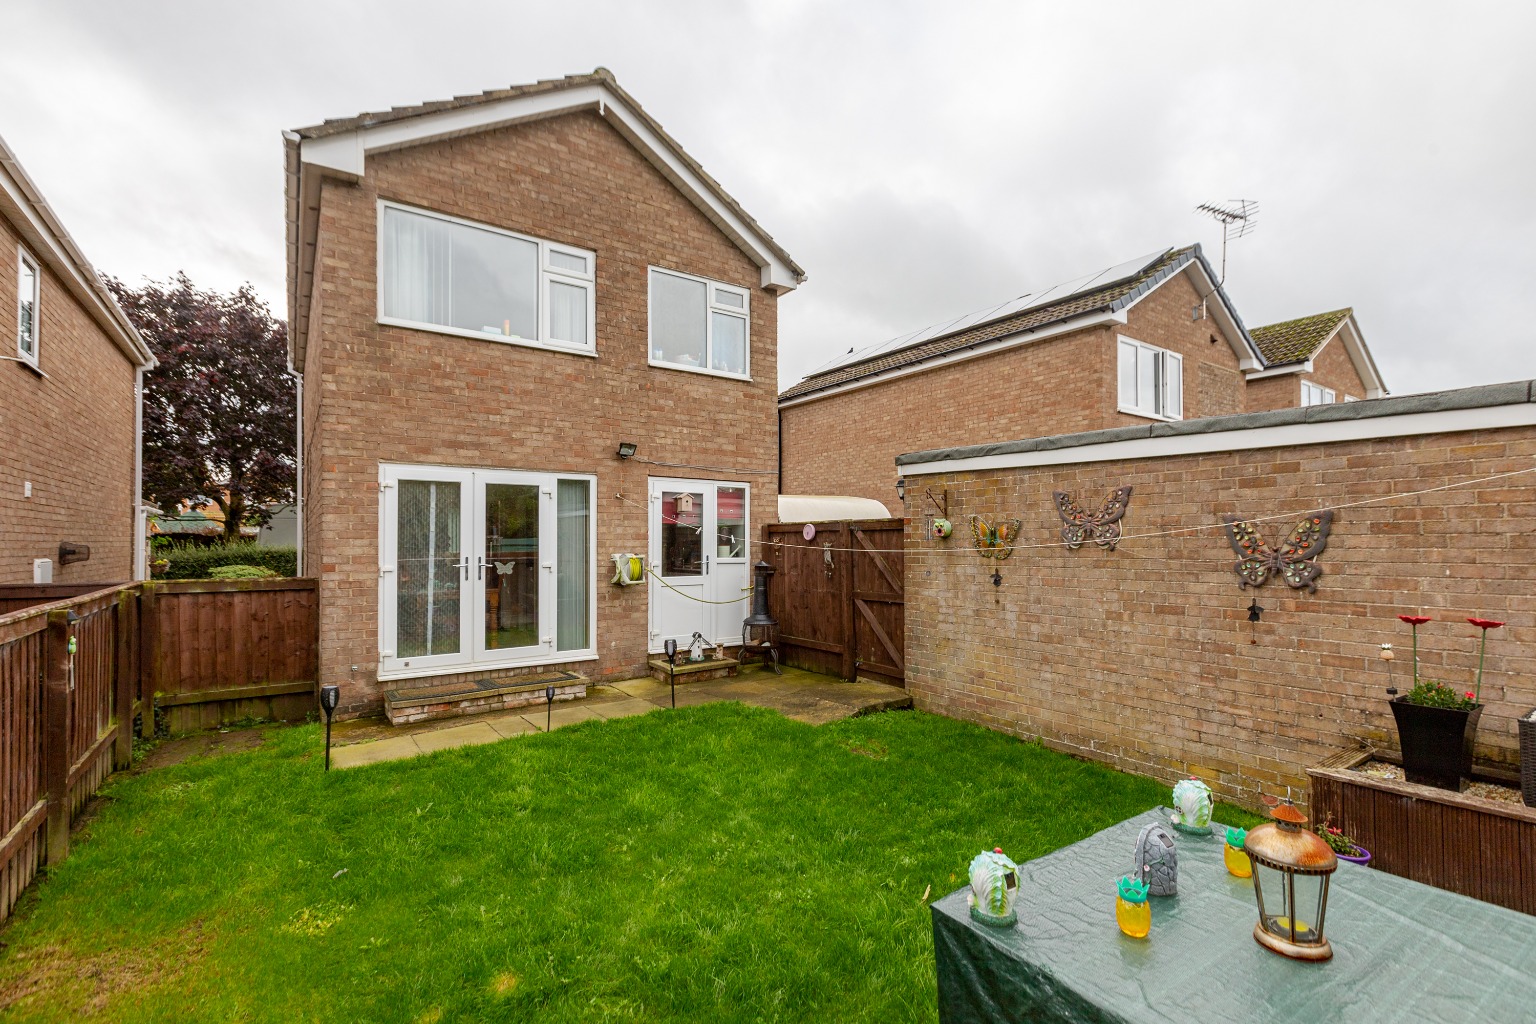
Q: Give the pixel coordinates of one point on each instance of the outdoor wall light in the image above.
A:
(901, 488)
(1291, 869)
(330, 696)
(627, 449)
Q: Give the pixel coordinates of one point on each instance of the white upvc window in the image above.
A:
(1151, 380)
(454, 276)
(698, 324)
(1315, 394)
(482, 569)
(29, 289)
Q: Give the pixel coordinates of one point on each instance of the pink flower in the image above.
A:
(1469, 695)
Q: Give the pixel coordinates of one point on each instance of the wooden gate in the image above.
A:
(839, 596)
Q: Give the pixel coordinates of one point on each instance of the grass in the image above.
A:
(715, 863)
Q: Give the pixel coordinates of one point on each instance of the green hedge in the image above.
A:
(194, 562)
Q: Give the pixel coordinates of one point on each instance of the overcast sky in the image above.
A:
(919, 160)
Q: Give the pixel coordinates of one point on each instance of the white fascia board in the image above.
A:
(1247, 358)
(1360, 355)
(1520, 414)
(51, 243)
(1281, 371)
(345, 154)
(939, 362)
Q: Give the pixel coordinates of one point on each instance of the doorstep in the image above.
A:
(476, 696)
(693, 671)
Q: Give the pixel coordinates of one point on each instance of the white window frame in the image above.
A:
(26, 260)
(711, 306)
(470, 657)
(547, 273)
(1316, 394)
(1163, 359)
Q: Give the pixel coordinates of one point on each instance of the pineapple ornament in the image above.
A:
(1234, 856)
(1132, 912)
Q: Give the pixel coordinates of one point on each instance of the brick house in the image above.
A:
(1154, 339)
(489, 296)
(69, 405)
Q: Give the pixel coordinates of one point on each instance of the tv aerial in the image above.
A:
(1238, 217)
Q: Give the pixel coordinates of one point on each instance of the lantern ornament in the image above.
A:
(1291, 870)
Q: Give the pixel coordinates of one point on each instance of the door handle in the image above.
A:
(479, 568)
(706, 565)
(464, 564)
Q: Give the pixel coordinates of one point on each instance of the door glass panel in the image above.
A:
(731, 523)
(510, 572)
(427, 553)
(573, 566)
(682, 533)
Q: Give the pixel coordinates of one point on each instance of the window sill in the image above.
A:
(548, 346)
(1142, 414)
(27, 365)
(465, 667)
(704, 370)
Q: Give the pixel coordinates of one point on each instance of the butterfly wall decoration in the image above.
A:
(1295, 561)
(995, 540)
(1101, 527)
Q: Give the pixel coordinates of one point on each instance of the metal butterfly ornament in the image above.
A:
(1296, 560)
(995, 540)
(1101, 527)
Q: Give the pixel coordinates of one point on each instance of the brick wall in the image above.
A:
(70, 433)
(1332, 368)
(848, 443)
(385, 394)
(1142, 657)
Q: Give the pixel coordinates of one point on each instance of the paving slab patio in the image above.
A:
(803, 696)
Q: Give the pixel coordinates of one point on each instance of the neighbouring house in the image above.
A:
(1155, 339)
(69, 405)
(533, 334)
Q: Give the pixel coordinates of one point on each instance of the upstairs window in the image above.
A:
(698, 324)
(1151, 381)
(28, 294)
(444, 274)
(1315, 394)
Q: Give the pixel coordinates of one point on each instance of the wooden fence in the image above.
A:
(216, 651)
(67, 697)
(1479, 848)
(77, 669)
(839, 596)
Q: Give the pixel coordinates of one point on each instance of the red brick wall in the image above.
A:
(70, 433)
(1332, 368)
(1142, 657)
(1282, 392)
(386, 394)
(848, 443)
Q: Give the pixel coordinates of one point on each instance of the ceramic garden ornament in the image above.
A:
(1233, 856)
(1132, 912)
(994, 885)
(1157, 861)
(942, 528)
(1192, 807)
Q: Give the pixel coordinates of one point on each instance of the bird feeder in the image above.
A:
(1291, 869)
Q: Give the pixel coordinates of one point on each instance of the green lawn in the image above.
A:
(715, 863)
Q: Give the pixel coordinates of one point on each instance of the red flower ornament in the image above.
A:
(1415, 620)
(1485, 623)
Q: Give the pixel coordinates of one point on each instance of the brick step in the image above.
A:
(693, 671)
(474, 696)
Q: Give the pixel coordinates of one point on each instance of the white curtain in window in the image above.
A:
(417, 267)
(573, 566)
(568, 312)
(729, 353)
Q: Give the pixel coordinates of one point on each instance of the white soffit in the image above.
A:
(345, 155)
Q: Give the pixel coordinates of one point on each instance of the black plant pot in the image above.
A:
(1436, 742)
(1528, 758)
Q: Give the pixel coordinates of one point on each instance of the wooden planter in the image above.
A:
(1480, 848)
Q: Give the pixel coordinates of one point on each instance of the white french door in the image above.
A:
(698, 557)
(482, 569)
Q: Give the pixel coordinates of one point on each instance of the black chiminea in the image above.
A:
(767, 643)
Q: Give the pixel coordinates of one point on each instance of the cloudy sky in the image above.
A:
(918, 159)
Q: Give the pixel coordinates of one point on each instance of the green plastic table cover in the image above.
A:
(1402, 951)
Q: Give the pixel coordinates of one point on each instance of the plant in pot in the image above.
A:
(1342, 845)
(1436, 724)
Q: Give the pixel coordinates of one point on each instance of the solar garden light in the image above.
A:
(549, 706)
(330, 696)
(671, 648)
(1291, 869)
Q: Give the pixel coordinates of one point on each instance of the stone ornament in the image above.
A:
(1296, 560)
(1157, 861)
(1101, 527)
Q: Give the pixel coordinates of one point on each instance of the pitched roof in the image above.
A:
(1105, 292)
(462, 115)
(23, 205)
(1293, 341)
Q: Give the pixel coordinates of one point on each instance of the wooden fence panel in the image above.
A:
(839, 596)
(22, 796)
(215, 651)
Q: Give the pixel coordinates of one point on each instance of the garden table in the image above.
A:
(1402, 951)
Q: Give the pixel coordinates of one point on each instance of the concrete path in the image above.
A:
(803, 696)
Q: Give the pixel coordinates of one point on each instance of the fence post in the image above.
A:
(149, 654)
(56, 698)
(125, 684)
(845, 567)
